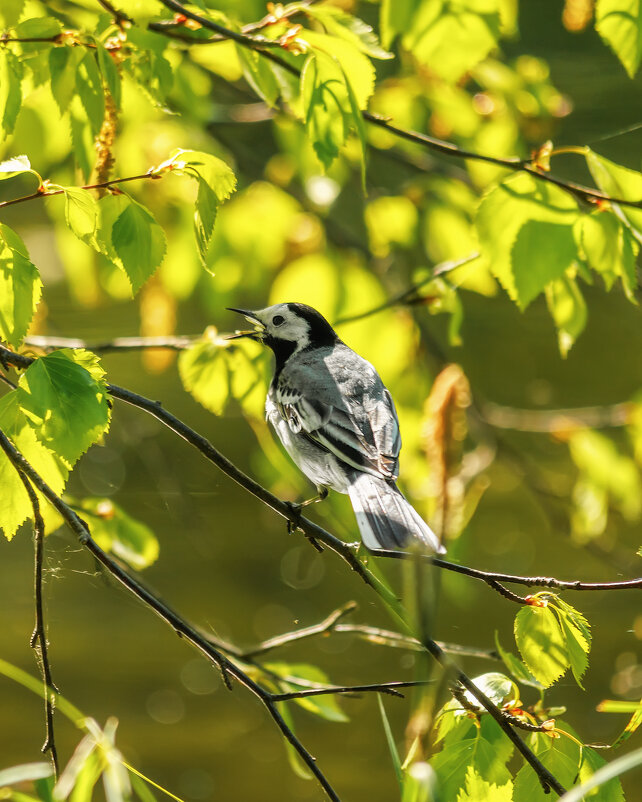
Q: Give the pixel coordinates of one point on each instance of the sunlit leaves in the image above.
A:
(609, 247)
(63, 64)
(352, 29)
(619, 23)
(259, 74)
(618, 182)
(64, 398)
(552, 636)
(451, 38)
(129, 235)
(16, 506)
(11, 75)
(14, 166)
(20, 287)
(214, 372)
(10, 11)
(216, 182)
(617, 706)
(38, 27)
(295, 677)
(526, 231)
(118, 533)
(476, 789)
(80, 212)
(89, 85)
(568, 309)
(516, 666)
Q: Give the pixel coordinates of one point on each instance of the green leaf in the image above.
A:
(390, 740)
(64, 397)
(216, 182)
(619, 23)
(621, 182)
(352, 29)
(561, 756)
(203, 371)
(81, 212)
(477, 789)
(20, 287)
(568, 309)
(353, 63)
(541, 643)
(299, 677)
(609, 247)
(516, 667)
(110, 73)
(525, 229)
(609, 790)
(395, 18)
(294, 759)
(258, 72)
(577, 631)
(89, 86)
(611, 706)
(486, 750)
(129, 235)
(11, 75)
(16, 506)
(38, 27)
(11, 11)
(451, 38)
(87, 777)
(63, 64)
(118, 533)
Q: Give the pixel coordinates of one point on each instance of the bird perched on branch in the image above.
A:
(337, 421)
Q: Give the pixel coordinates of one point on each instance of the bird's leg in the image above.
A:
(322, 493)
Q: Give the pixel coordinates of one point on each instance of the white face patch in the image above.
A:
(284, 324)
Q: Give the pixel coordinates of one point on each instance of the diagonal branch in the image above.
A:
(182, 627)
(381, 687)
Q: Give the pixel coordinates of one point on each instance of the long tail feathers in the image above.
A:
(385, 519)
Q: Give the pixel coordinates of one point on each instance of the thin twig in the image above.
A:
(586, 194)
(555, 420)
(382, 687)
(38, 640)
(44, 193)
(119, 16)
(181, 626)
(176, 343)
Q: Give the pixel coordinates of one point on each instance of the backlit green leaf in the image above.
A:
(129, 235)
(11, 74)
(477, 789)
(81, 210)
(325, 705)
(515, 666)
(64, 397)
(541, 643)
(63, 64)
(14, 166)
(618, 182)
(90, 90)
(10, 11)
(353, 63)
(110, 73)
(38, 27)
(619, 23)
(568, 309)
(258, 72)
(609, 247)
(20, 287)
(395, 18)
(450, 38)
(352, 29)
(16, 506)
(204, 374)
(616, 706)
(526, 230)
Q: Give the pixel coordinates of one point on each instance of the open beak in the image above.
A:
(255, 334)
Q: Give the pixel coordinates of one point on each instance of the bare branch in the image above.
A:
(38, 640)
(382, 687)
(176, 343)
(182, 627)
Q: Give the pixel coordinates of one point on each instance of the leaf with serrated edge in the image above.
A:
(80, 212)
(20, 287)
(16, 506)
(619, 23)
(15, 165)
(541, 643)
(131, 237)
(64, 398)
(203, 371)
(477, 789)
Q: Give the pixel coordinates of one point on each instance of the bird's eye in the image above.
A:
(277, 320)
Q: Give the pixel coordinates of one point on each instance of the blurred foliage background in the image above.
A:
(532, 486)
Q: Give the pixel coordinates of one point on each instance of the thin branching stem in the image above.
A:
(47, 193)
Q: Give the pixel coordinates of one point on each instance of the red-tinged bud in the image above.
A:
(105, 509)
(534, 601)
(179, 19)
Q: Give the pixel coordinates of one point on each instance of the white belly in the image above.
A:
(320, 466)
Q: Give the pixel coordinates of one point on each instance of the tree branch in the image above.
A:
(182, 627)
(382, 687)
(38, 640)
(583, 193)
(176, 343)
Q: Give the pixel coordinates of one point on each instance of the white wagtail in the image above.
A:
(337, 421)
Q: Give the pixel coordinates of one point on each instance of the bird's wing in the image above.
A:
(359, 428)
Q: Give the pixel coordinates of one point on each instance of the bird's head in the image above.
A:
(287, 328)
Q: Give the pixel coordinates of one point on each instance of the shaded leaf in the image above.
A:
(294, 759)
(38, 27)
(619, 23)
(609, 247)
(118, 533)
(568, 310)
(11, 74)
(63, 64)
(11, 11)
(64, 397)
(89, 86)
(20, 287)
(110, 73)
(259, 74)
